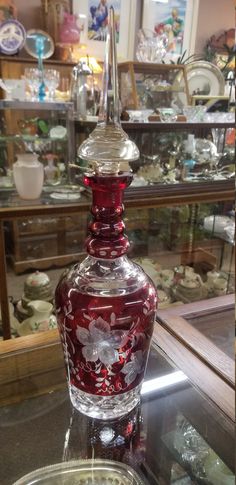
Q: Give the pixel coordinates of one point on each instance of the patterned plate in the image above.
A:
(12, 37)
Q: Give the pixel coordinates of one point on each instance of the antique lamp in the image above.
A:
(106, 305)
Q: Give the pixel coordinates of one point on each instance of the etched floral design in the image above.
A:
(133, 368)
(100, 342)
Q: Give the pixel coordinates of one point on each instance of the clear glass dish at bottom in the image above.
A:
(83, 472)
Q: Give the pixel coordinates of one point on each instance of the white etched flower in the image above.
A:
(100, 343)
(134, 367)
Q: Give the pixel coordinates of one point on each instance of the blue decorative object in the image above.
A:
(40, 48)
(190, 164)
(12, 37)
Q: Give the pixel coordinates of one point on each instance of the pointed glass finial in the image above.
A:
(108, 142)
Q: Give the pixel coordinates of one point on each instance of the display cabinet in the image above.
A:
(13, 67)
(46, 130)
(161, 170)
(181, 231)
(147, 85)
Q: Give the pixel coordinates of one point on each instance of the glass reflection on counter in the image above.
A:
(195, 455)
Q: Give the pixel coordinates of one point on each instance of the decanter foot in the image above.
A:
(104, 407)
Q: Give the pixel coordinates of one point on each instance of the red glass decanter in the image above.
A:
(106, 305)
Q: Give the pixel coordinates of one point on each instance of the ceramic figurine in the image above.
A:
(220, 287)
(37, 287)
(51, 171)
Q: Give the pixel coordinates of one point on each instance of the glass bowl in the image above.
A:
(83, 472)
(194, 114)
(167, 115)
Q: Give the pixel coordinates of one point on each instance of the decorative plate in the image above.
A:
(12, 37)
(58, 132)
(204, 79)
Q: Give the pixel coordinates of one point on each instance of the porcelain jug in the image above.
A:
(28, 176)
(41, 320)
(42, 313)
(212, 278)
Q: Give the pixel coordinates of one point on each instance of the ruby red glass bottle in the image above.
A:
(106, 305)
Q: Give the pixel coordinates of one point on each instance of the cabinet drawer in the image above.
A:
(75, 242)
(37, 247)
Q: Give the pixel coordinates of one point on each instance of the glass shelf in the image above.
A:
(36, 105)
(30, 138)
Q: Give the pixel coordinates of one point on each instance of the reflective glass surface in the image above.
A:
(175, 437)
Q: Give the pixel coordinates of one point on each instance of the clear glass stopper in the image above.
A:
(108, 142)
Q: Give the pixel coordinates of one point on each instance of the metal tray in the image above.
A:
(83, 472)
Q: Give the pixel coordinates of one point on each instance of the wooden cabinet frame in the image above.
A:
(150, 69)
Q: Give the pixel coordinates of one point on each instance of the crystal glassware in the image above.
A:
(151, 47)
(33, 77)
(52, 81)
(168, 115)
(106, 305)
(195, 114)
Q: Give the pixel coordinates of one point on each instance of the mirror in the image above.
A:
(39, 44)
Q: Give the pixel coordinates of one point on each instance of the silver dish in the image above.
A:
(204, 78)
(83, 472)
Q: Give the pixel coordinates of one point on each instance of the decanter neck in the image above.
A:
(109, 112)
(107, 240)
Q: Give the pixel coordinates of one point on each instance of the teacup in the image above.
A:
(212, 278)
(163, 299)
(167, 277)
(220, 286)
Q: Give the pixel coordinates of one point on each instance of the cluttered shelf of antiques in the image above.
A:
(187, 249)
(183, 184)
(179, 209)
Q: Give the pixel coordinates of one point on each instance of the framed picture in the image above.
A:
(93, 15)
(213, 103)
(177, 19)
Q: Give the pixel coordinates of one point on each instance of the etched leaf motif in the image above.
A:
(133, 368)
(83, 335)
(101, 343)
(118, 338)
(90, 353)
(108, 356)
(130, 378)
(98, 328)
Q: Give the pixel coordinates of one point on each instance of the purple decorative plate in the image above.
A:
(12, 36)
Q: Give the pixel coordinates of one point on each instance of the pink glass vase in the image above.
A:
(69, 30)
(106, 305)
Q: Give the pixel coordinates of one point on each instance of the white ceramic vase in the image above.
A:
(28, 176)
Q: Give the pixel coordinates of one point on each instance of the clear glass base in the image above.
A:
(108, 407)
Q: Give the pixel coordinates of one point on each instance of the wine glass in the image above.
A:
(52, 81)
(33, 77)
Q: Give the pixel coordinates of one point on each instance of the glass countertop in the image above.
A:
(176, 436)
(219, 328)
(51, 196)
